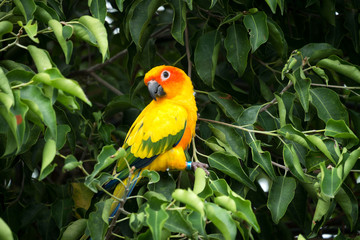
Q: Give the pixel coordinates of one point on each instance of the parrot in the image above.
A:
(161, 133)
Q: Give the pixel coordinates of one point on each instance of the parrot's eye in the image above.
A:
(165, 75)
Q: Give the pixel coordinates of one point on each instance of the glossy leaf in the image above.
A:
(222, 220)
(230, 107)
(41, 58)
(31, 29)
(41, 106)
(5, 27)
(67, 85)
(289, 132)
(98, 220)
(156, 218)
(277, 38)
(189, 198)
(49, 153)
(237, 47)
(281, 193)
(5, 231)
(317, 51)
(263, 158)
(177, 223)
(328, 105)
(62, 35)
(316, 141)
(71, 163)
(292, 162)
(339, 130)
(74, 230)
(348, 203)
(230, 165)
(98, 9)
(206, 55)
(6, 95)
(140, 15)
(27, 8)
(302, 88)
(99, 32)
(200, 180)
(256, 24)
(179, 20)
(272, 4)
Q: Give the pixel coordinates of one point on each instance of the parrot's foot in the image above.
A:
(204, 166)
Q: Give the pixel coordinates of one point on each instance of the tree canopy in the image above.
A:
(277, 87)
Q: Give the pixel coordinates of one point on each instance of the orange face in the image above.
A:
(165, 81)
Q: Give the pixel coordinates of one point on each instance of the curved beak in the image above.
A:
(155, 89)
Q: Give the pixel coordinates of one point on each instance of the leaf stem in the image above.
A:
(22, 84)
(240, 127)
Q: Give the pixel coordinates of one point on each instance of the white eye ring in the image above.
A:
(165, 75)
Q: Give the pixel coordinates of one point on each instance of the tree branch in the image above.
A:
(274, 100)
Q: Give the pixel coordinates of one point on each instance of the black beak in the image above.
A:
(155, 89)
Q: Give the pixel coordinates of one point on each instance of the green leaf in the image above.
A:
(41, 58)
(348, 203)
(341, 66)
(231, 139)
(6, 94)
(139, 17)
(105, 159)
(120, 5)
(277, 38)
(5, 231)
(27, 8)
(262, 158)
(302, 88)
(53, 77)
(153, 176)
(48, 156)
(177, 223)
(281, 193)
(62, 35)
(61, 211)
(256, 24)
(44, 13)
(352, 25)
(74, 230)
(317, 51)
(291, 160)
(328, 105)
(220, 187)
(98, 9)
(206, 55)
(221, 219)
(327, 11)
(322, 208)
(321, 146)
(291, 133)
(272, 4)
(197, 221)
(83, 33)
(5, 27)
(237, 47)
(179, 20)
(331, 180)
(41, 106)
(249, 115)
(230, 165)
(341, 132)
(98, 30)
(189, 198)
(282, 110)
(71, 163)
(200, 180)
(230, 107)
(156, 218)
(97, 224)
(62, 131)
(136, 221)
(31, 29)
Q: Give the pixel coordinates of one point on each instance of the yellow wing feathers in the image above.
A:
(156, 130)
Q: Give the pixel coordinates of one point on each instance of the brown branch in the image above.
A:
(112, 59)
(106, 84)
(188, 51)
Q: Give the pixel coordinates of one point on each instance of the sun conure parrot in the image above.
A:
(163, 130)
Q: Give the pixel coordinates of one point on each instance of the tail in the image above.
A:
(123, 188)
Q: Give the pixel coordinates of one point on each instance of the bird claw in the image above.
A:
(201, 165)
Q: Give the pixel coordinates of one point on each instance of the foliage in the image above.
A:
(277, 93)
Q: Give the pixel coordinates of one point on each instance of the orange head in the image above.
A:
(167, 81)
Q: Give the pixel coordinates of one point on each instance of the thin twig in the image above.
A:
(187, 47)
(106, 84)
(239, 127)
(334, 86)
(112, 59)
(290, 83)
